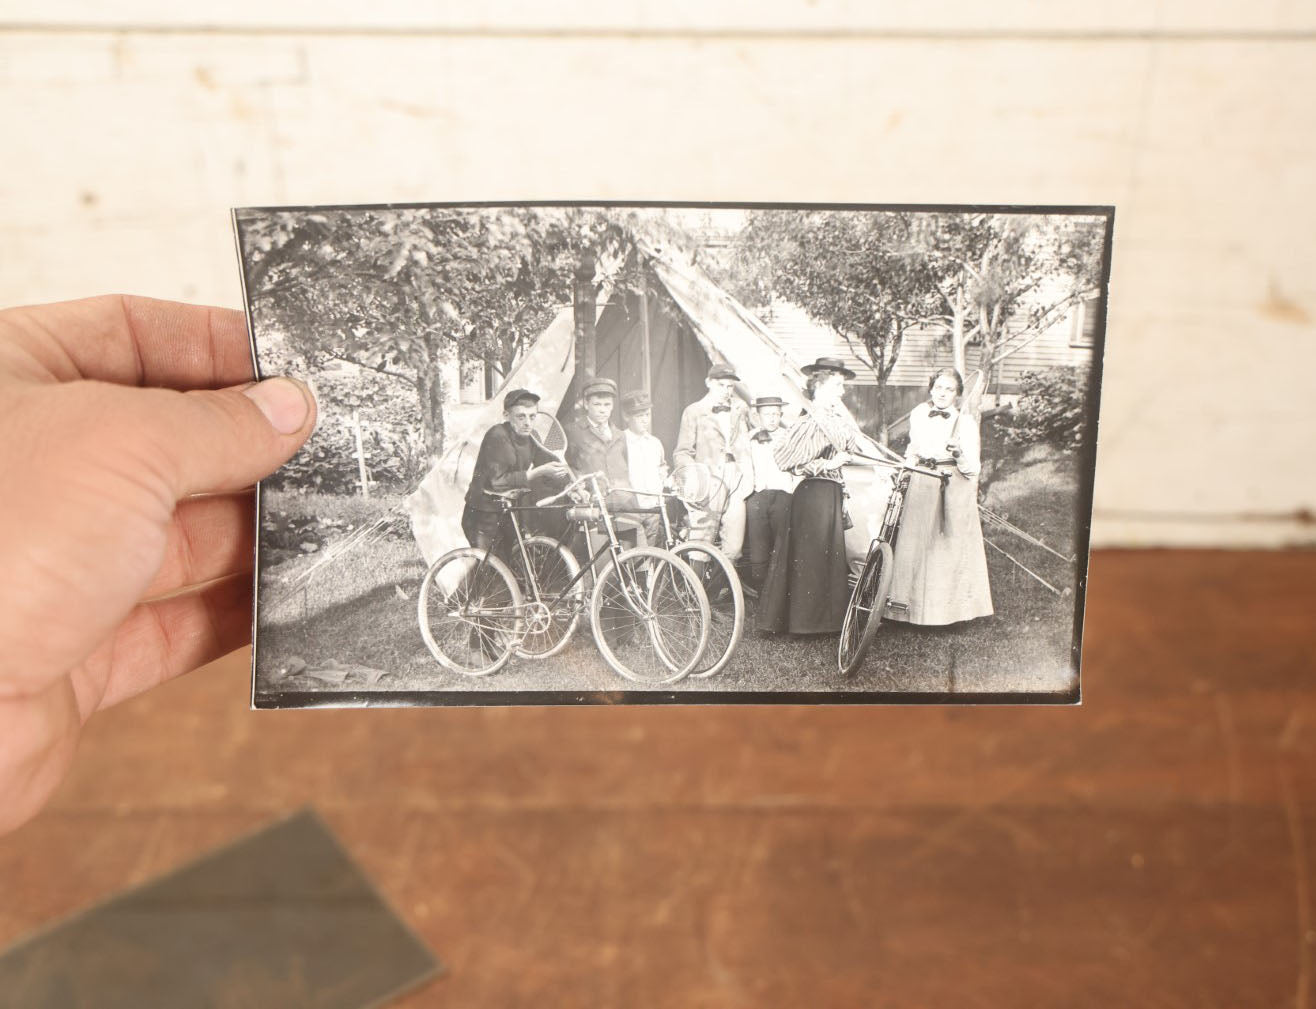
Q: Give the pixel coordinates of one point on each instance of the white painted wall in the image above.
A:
(128, 135)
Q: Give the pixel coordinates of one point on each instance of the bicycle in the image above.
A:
(696, 486)
(871, 590)
(649, 614)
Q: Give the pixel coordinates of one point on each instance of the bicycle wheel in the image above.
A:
(552, 620)
(726, 603)
(470, 612)
(650, 616)
(864, 612)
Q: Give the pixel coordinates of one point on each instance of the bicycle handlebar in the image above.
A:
(906, 466)
(565, 491)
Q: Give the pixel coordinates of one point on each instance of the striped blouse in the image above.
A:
(815, 438)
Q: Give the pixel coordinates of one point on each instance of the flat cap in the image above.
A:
(599, 387)
(635, 402)
(518, 396)
(723, 371)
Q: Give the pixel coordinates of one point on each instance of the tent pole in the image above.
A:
(583, 303)
(644, 337)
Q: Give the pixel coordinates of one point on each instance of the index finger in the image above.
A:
(137, 341)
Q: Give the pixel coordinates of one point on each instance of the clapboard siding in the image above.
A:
(925, 349)
(125, 149)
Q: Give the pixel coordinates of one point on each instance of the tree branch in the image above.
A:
(409, 379)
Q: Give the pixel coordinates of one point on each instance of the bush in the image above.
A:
(1051, 410)
(327, 463)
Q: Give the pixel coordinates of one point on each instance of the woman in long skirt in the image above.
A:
(806, 588)
(939, 571)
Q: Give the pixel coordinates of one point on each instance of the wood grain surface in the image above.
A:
(1154, 846)
(130, 129)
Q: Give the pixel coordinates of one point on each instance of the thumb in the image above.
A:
(211, 441)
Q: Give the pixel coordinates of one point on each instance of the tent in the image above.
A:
(671, 334)
(681, 325)
(436, 504)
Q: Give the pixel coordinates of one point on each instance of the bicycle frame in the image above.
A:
(889, 530)
(634, 596)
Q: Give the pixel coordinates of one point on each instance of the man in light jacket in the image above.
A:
(710, 428)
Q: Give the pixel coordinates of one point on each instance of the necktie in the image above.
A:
(721, 409)
(938, 413)
(762, 437)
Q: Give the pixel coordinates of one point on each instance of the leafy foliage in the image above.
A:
(1051, 410)
(328, 462)
(984, 278)
(864, 275)
(400, 292)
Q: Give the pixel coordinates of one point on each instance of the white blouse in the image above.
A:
(932, 436)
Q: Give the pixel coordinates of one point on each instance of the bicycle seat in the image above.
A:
(507, 495)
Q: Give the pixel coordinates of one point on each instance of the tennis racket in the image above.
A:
(971, 399)
(698, 487)
(549, 435)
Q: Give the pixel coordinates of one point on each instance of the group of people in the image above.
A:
(778, 504)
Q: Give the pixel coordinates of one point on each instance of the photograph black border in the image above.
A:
(278, 700)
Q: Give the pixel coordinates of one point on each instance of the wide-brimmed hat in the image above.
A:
(720, 371)
(518, 396)
(828, 364)
(636, 402)
(599, 387)
(769, 401)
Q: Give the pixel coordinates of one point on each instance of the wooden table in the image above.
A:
(1152, 847)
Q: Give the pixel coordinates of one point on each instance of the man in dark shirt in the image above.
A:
(509, 458)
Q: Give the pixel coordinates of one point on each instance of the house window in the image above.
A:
(1087, 315)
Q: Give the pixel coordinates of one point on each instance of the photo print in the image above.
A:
(638, 453)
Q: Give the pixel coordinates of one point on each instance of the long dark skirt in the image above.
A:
(806, 591)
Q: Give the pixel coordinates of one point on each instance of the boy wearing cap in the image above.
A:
(769, 487)
(595, 446)
(508, 458)
(710, 429)
(646, 458)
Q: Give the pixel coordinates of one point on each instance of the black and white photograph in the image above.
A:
(637, 453)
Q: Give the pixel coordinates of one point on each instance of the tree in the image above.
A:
(993, 279)
(1006, 278)
(864, 275)
(399, 292)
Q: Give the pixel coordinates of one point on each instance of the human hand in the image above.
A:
(116, 575)
(556, 470)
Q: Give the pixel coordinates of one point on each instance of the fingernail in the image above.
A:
(285, 402)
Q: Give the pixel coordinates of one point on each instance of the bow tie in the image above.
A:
(721, 409)
(938, 413)
(762, 436)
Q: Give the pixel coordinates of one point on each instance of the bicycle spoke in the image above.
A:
(470, 617)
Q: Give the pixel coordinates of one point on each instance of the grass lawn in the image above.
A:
(354, 625)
